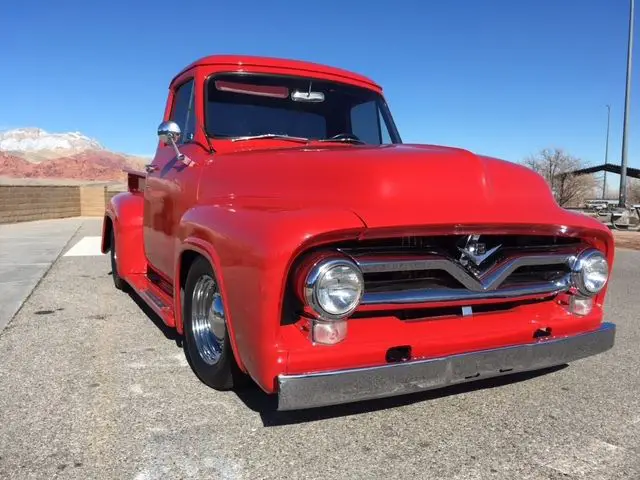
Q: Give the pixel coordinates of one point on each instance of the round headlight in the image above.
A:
(333, 288)
(591, 272)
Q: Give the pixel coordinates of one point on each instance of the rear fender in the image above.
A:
(124, 214)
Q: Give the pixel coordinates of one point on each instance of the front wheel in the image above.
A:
(117, 279)
(206, 339)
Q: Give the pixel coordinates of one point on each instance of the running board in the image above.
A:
(157, 301)
(154, 277)
(155, 297)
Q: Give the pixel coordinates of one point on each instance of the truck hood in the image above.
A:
(387, 186)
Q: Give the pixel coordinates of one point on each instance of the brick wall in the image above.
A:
(111, 192)
(23, 203)
(92, 201)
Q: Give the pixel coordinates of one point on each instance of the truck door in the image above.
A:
(171, 186)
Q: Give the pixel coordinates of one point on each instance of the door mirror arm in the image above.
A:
(169, 132)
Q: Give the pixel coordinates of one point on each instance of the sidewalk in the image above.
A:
(27, 251)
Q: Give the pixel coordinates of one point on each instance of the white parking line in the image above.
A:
(86, 247)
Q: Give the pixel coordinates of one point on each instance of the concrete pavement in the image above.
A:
(93, 386)
(27, 250)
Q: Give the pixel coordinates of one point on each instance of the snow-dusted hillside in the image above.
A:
(35, 153)
(36, 145)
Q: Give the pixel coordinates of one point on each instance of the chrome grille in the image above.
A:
(428, 270)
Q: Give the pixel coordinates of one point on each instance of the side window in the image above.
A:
(183, 112)
(368, 123)
(386, 137)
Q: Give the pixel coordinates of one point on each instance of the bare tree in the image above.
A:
(633, 191)
(554, 165)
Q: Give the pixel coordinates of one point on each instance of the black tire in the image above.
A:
(119, 283)
(220, 375)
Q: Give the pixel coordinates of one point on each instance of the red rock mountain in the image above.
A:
(13, 166)
(34, 153)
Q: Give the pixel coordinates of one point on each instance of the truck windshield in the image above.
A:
(275, 106)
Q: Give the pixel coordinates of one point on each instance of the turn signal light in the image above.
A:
(328, 333)
(581, 305)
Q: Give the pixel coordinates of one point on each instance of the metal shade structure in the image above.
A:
(605, 167)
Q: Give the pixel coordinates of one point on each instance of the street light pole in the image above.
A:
(606, 155)
(622, 201)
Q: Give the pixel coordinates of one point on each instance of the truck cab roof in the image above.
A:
(298, 66)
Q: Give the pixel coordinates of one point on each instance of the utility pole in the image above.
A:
(622, 201)
(606, 155)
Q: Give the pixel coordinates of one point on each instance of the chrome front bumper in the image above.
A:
(343, 386)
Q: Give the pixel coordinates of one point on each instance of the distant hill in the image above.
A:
(35, 153)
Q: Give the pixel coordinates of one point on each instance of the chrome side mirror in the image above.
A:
(169, 132)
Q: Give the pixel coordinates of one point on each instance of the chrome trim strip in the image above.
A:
(344, 386)
(451, 294)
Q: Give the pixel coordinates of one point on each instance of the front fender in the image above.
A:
(251, 251)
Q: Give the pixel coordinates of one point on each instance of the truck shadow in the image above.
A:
(168, 332)
(266, 405)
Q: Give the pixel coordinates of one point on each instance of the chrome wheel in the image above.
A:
(117, 280)
(114, 254)
(207, 319)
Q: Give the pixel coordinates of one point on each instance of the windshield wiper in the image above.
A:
(343, 137)
(271, 135)
(342, 140)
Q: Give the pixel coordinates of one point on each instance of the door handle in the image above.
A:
(150, 168)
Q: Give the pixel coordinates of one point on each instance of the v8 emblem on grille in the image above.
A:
(475, 251)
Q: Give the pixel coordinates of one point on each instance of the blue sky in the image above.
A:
(500, 77)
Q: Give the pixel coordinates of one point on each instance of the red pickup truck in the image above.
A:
(289, 235)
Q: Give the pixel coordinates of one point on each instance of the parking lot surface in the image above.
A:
(93, 386)
(27, 251)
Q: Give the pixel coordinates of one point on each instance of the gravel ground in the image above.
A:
(92, 386)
